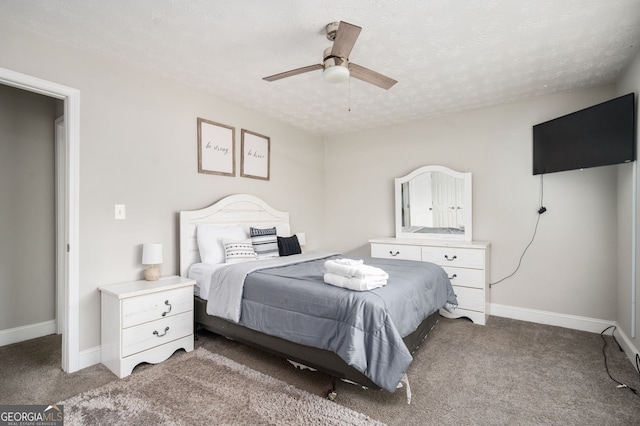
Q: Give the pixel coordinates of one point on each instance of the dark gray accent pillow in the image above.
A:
(288, 246)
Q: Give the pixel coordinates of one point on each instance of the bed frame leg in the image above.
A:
(332, 394)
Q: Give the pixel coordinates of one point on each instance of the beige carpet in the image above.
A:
(505, 373)
(204, 388)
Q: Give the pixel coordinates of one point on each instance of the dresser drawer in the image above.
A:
(470, 298)
(465, 277)
(396, 251)
(151, 334)
(150, 307)
(445, 256)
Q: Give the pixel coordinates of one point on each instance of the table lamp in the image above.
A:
(152, 257)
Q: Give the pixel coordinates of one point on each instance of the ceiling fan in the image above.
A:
(335, 63)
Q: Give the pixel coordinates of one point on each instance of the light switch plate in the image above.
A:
(120, 212)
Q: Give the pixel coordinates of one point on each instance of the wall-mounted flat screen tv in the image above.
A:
(600, 135)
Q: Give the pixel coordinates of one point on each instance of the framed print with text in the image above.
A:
(255, 160)
(216, 148)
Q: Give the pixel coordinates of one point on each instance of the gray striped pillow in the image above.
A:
(265, 242)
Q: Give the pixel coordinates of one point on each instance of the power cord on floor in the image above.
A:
(606, 366)
(541, 210)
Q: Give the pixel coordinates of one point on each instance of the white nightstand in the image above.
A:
(145, 321)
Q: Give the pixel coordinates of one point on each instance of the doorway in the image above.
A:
(69, 150)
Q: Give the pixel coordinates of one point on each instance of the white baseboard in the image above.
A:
(574, 322)
(89, 357)
(27, 332)
(629, 349)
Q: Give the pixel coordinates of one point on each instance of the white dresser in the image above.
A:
(466, 263)
(145, 321)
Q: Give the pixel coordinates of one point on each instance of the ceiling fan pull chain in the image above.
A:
(349, 82)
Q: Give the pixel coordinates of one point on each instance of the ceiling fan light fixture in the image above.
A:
(335, 60)
(336, 74)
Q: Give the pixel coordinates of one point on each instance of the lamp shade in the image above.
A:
(336, 74)
(152, 253)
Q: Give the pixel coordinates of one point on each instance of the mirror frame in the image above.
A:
(466, 200)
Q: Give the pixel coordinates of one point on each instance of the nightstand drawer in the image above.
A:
(150, 307)
(445, 256)
(395, 251)
(151, 334)
(465, 277)
(470, 298)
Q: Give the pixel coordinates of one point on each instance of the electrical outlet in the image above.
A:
(120, 212)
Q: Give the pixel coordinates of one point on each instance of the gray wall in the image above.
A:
(571, 266)
(138, 147)
(27, 233)
(630, 82)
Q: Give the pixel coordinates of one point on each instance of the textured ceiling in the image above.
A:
(447, 55)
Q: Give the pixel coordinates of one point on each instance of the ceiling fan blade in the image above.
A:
(291, 73)
(346, 37)
(370, 76)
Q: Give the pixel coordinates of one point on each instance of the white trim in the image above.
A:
(61, 220)
(27, 332)
(89, 357)
(72, 317)
(71, 97)
(574, 322)
(629, 349)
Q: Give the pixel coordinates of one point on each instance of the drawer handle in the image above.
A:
(452, 277)
(450, 259)
(155, 332)
(166, 302)
(394, 254)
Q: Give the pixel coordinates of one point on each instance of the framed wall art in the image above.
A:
(216, 148)
(256, 150)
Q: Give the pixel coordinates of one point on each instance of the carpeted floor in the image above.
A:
(507, 372)
(202, 388)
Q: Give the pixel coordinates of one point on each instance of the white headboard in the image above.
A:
(241, 208)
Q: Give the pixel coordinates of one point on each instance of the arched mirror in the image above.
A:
(434, 202)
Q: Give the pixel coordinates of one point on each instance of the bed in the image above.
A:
(281, 305)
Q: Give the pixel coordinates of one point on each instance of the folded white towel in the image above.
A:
(345, 261)
(353, 283)
(359, 270)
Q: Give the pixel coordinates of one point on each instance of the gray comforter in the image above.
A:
(364, 328)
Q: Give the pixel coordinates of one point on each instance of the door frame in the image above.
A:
(71, 98)
(60, 218)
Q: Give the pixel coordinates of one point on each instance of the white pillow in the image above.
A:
(210, 236)
(236, 251)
